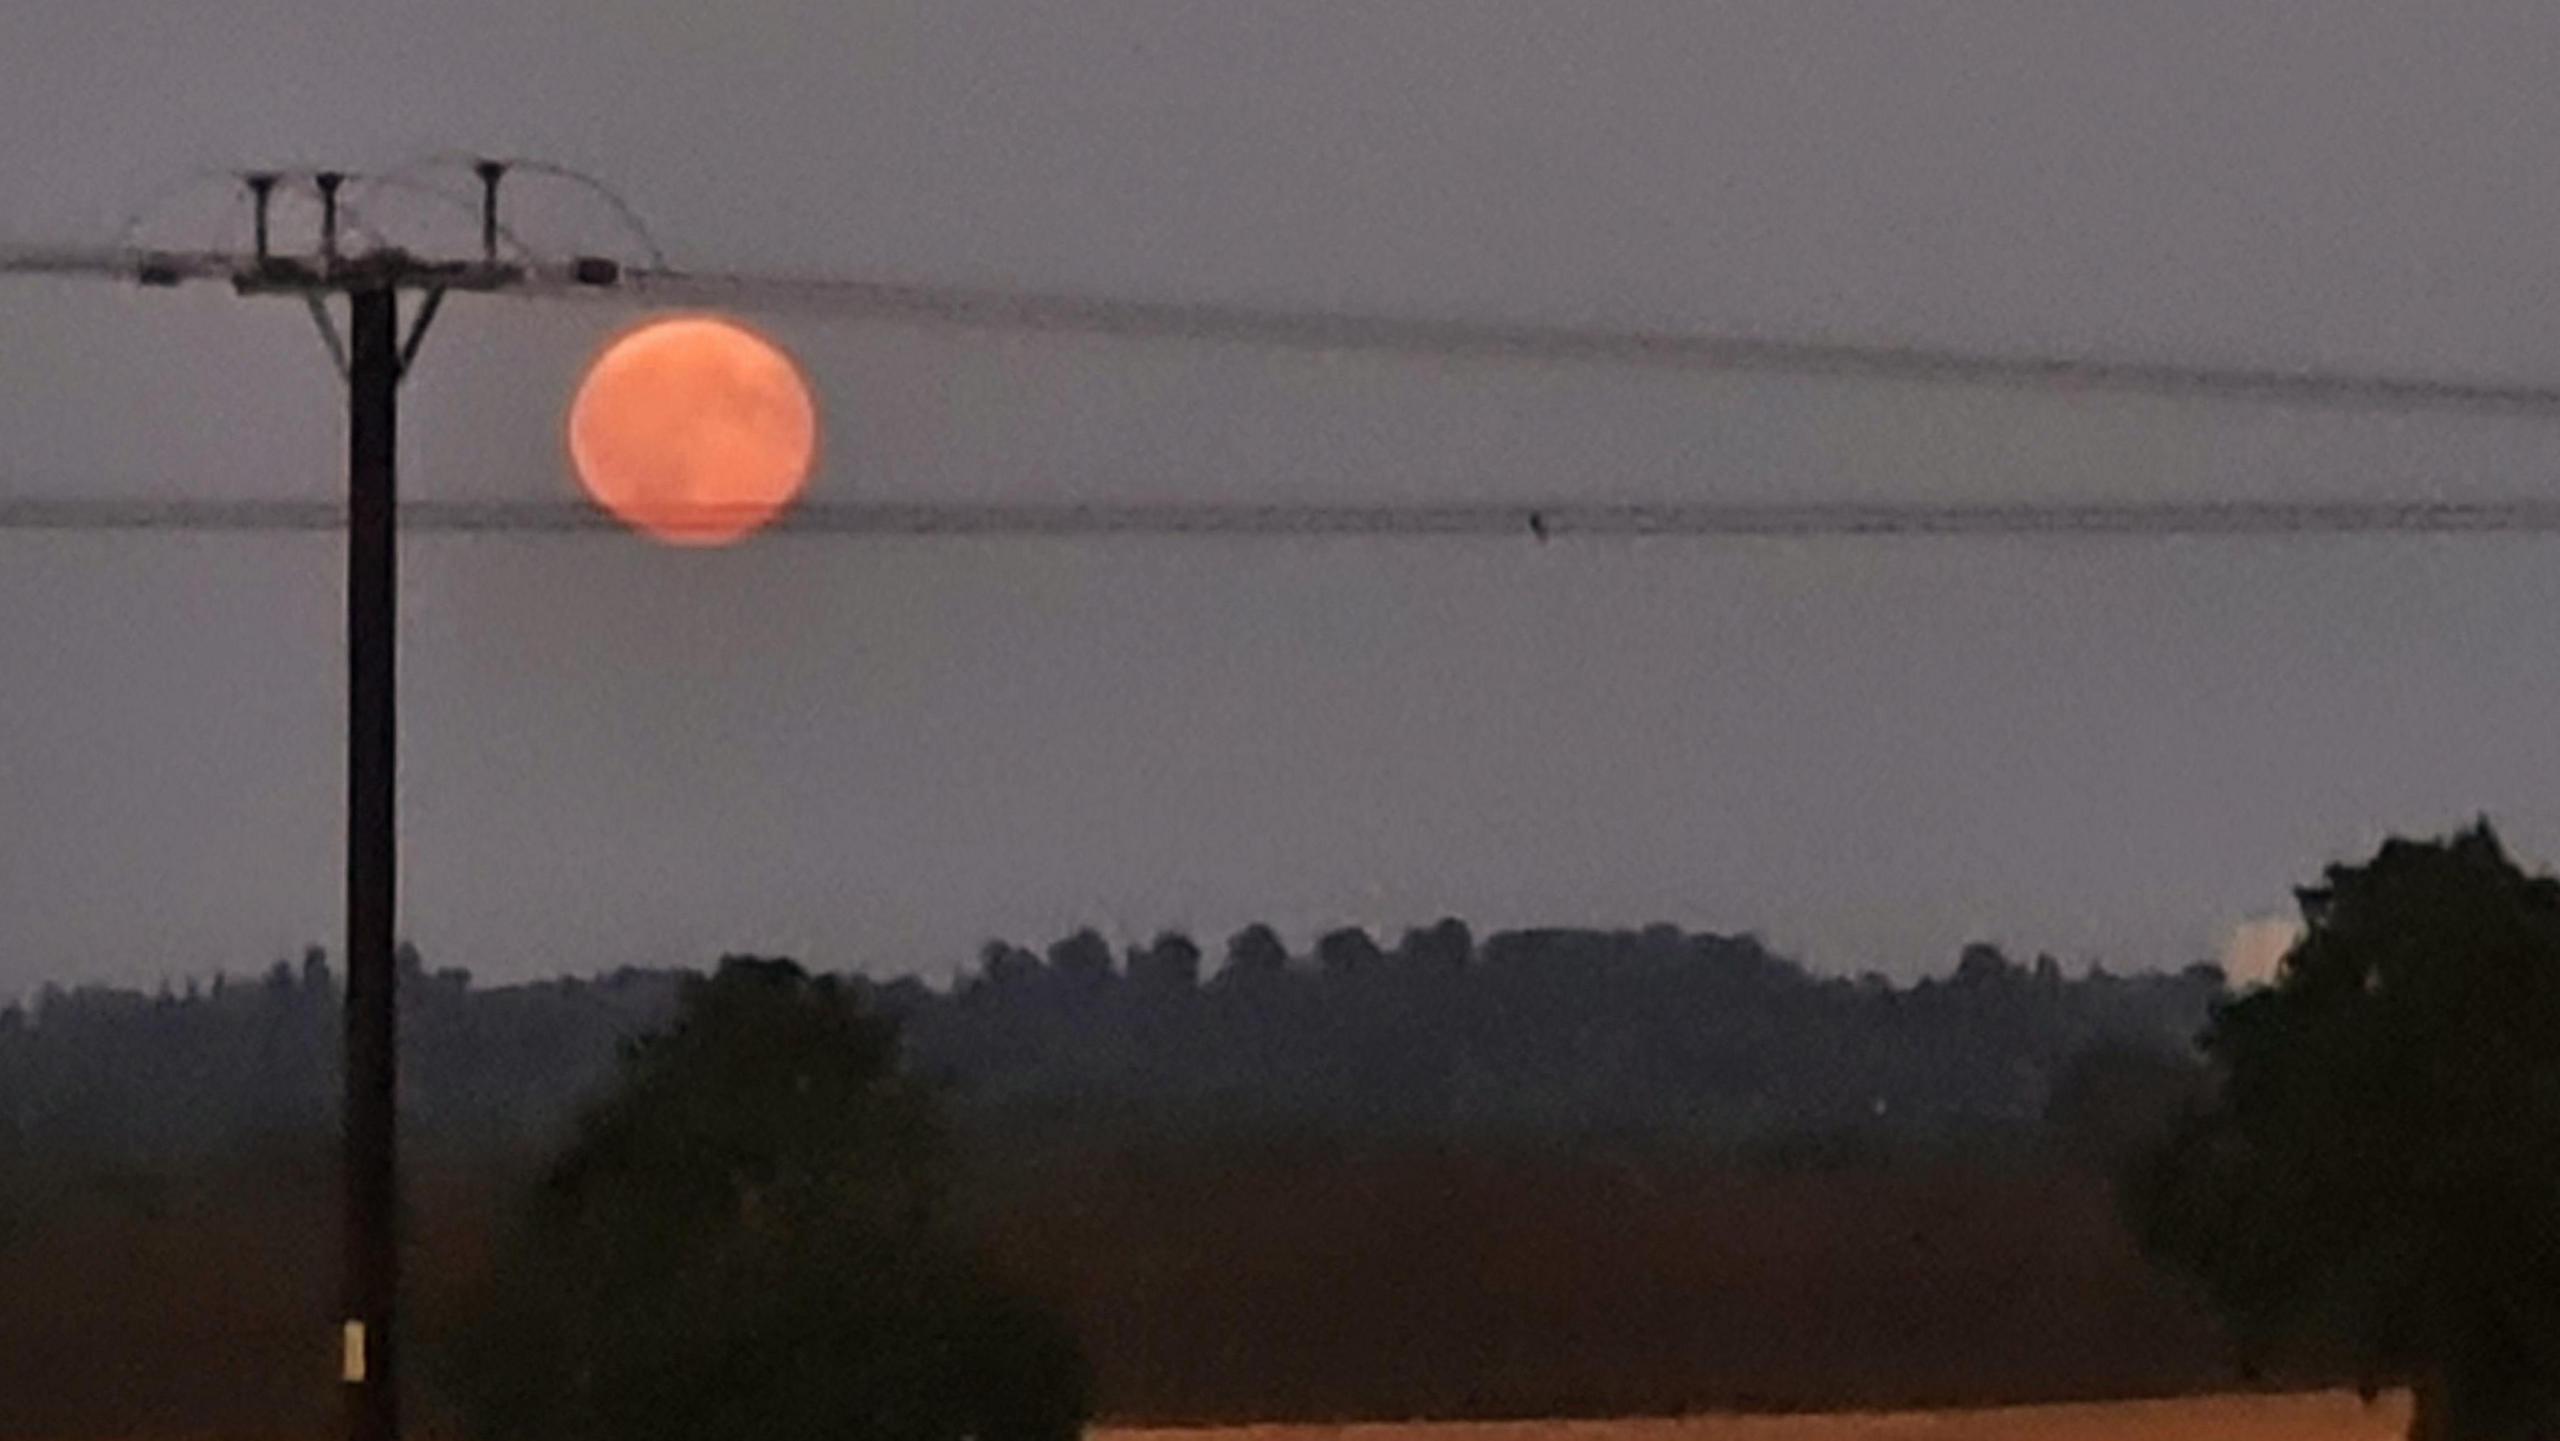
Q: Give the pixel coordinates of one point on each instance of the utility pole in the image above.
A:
(372, 1265)
(373, 357)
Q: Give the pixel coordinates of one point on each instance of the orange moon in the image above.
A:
(693, 430)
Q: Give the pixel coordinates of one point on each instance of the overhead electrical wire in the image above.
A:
(1350, 332)
(1321, 330)
(1476, 519)
(1377, 332)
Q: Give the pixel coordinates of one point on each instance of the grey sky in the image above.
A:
(876, 753)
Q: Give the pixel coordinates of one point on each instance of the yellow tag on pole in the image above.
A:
(352, 1358)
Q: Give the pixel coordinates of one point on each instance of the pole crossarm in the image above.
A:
(250, 274)
(373, 270)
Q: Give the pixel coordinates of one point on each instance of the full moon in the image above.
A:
(693, 430)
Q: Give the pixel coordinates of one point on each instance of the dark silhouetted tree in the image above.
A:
(1168, 965)
(1005, 965)
(2047, 974)
(2378, 1177)
(1081, 962)
(1348, 952)
(1255, 953)
(745, 1238)
(316, 980)
(1445, 948)
(1983, 964)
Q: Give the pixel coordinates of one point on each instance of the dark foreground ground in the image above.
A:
(2292, 1416)
(1257, 1284)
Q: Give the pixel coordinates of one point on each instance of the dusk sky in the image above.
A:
(876, 753)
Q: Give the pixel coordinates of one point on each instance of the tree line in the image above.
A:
(1656, 1033)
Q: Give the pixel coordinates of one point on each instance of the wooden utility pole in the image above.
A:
(372, 1265)
(373, 358)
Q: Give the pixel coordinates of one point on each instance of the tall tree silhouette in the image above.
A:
(2380, 1169)
(746, 1238)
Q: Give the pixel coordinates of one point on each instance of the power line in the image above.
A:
(2128, 519)
(1355, 332)
(1321, 330)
